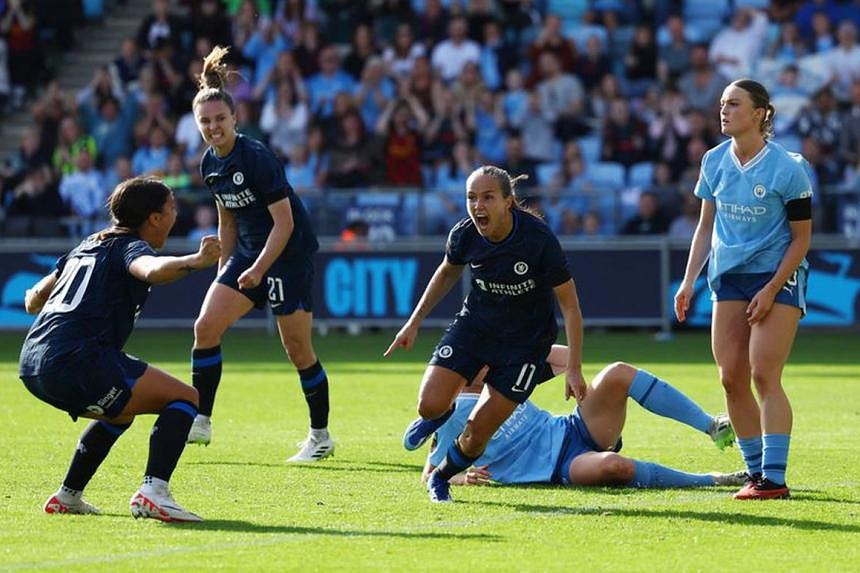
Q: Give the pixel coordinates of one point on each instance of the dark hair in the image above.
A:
(761, 99)
(507, 184)
(133, 201)
(213, 79)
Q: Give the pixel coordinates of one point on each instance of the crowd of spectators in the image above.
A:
(607, 105)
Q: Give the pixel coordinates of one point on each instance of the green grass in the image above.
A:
(365, 510)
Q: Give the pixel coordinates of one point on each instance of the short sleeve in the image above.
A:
(454, 248)
(703, 188)
(134, 250)
(798, 185)
(554, 262)
(269, 179)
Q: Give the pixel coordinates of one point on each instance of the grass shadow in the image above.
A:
(329, 466)
(725, 517)
(238, 525)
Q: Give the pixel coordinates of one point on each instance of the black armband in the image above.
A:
(799, 209)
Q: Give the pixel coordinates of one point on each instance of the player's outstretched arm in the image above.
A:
(36, 297)
(445, 277)
(158, 270)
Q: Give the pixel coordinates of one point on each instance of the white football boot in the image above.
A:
(156, 502)
(77, 506)
(314, 448)
(201, 431)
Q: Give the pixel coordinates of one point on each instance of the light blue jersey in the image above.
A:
(751, 230)
(524, 449)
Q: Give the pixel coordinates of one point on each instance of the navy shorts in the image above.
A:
(514, 370)
(744, 286)
(286, 286)
(98, 381)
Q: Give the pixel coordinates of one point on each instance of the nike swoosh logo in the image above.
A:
(474, 266)
(276, 304)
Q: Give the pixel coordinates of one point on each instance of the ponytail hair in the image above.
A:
(761, 99)
(507, 184)
(212, 81)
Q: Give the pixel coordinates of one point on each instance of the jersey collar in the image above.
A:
(752, 162)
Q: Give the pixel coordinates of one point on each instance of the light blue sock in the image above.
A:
(775, 456)
(751, 450)
(649, 474)
(659, 397)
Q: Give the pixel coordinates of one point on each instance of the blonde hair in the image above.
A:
(212, 81)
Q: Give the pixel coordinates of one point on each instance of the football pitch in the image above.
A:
(364, 509)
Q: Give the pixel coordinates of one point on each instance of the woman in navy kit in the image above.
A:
(267, 256)
(755, 229)
(507, 322)
(72, 357)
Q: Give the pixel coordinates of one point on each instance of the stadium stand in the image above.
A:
(113, 79)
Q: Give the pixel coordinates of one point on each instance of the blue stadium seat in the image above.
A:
(546, 172)
(607, 174)
(706, 15)
(641, 174)
(790, 142)
(580, 34)
(567, 9)
(590, 148)
(760, 4)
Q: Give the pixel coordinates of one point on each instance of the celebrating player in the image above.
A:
(72, 357)
(267, 255)
(755, 225)
(507, 322)
(533, 446)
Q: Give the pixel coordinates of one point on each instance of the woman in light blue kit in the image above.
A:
(757, 215)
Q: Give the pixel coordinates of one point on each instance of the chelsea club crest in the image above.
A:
(238, 178)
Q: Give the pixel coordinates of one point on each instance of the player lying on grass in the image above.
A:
(581, 449)
(73, 356)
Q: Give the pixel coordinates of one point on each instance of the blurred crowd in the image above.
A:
(607, 105)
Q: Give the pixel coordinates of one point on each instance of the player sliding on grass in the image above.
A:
(72, 357)
(581, 449)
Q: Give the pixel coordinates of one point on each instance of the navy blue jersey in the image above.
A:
(93, 304)
(247, 181)
(511, 299)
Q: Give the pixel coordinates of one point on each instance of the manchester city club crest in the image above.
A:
(238, 178)
(759, 191)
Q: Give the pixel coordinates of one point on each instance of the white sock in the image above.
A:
(319, 434)
(202, 418)
(68, 495)
(151, 483)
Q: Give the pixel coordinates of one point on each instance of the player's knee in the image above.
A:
(206, 332)
(733, 382)
(299, 350)
(616, 469)
(430, 409)
(619, 374)
(189, 394)
(765, 381)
